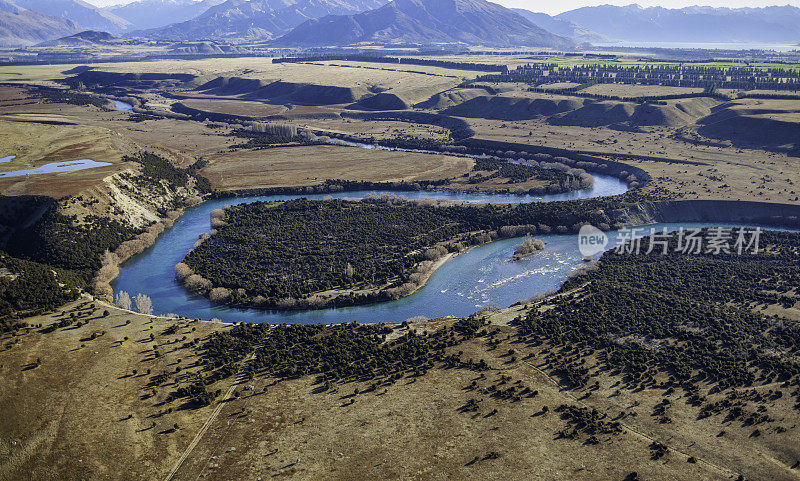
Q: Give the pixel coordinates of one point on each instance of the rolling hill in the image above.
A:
(472, 22)
(255, 19)
(22, 27)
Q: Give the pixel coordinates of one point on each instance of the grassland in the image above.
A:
(310, 165)
(94, 414)
(378, 129)
(74, 408)
(633, 91)
(94, 417)
(720, 170)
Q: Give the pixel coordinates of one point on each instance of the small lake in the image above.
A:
(54, 167)
(778, 47)
(122, 106)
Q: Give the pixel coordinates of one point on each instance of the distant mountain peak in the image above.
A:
(85, 15)
(473, 22)
(256, 19)
(145, 14)
(697, 24)
(20, 26)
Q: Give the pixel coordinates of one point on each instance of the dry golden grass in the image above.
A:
(309, 165)
(725, 172)
(77, 428)
(403, 83)
(82, 413)
(37, 74)
(380, 129)
(622, 90)
(235, 107)
(36, 143)
(25, 133)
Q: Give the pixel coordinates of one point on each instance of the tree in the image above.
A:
(123, 300)
(143, 304)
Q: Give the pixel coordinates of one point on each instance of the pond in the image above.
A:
(122, 106)
(55, 167)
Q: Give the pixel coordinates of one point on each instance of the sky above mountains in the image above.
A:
(553, 8)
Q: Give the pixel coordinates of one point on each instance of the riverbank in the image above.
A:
(460, 286)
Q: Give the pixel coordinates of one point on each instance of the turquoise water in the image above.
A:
(482, 275)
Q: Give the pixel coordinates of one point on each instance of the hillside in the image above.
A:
(690, 24)
(89, 38)
(473, 22)
(145, 14)
(256, 19)
(560, 26)
(22, 27)
(82, 13)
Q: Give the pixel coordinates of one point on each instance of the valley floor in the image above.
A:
(91, 391)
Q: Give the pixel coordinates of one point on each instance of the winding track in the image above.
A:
(213, 416)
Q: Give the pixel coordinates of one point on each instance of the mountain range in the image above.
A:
(561, 26)
(248, 20)
(146, 14)
(472, 22)
(311, 23)
(690, 24)
(22, 27)
(85, 15)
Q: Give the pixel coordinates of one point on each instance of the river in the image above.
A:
(479, 276)
(484, 275)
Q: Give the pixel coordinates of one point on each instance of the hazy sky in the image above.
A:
(548, 6)
(564, 5)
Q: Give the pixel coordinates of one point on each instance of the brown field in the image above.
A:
(95, 418)
(235, 107)
(381, 129)
(299, 166)
(726, 172)
(79, 427)
(627, 91)
(403, 68)
(559, 85)
(25, 133)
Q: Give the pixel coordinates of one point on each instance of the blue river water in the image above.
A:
(484, 275)
(479, 276)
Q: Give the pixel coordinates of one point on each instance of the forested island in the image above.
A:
(304, 254)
